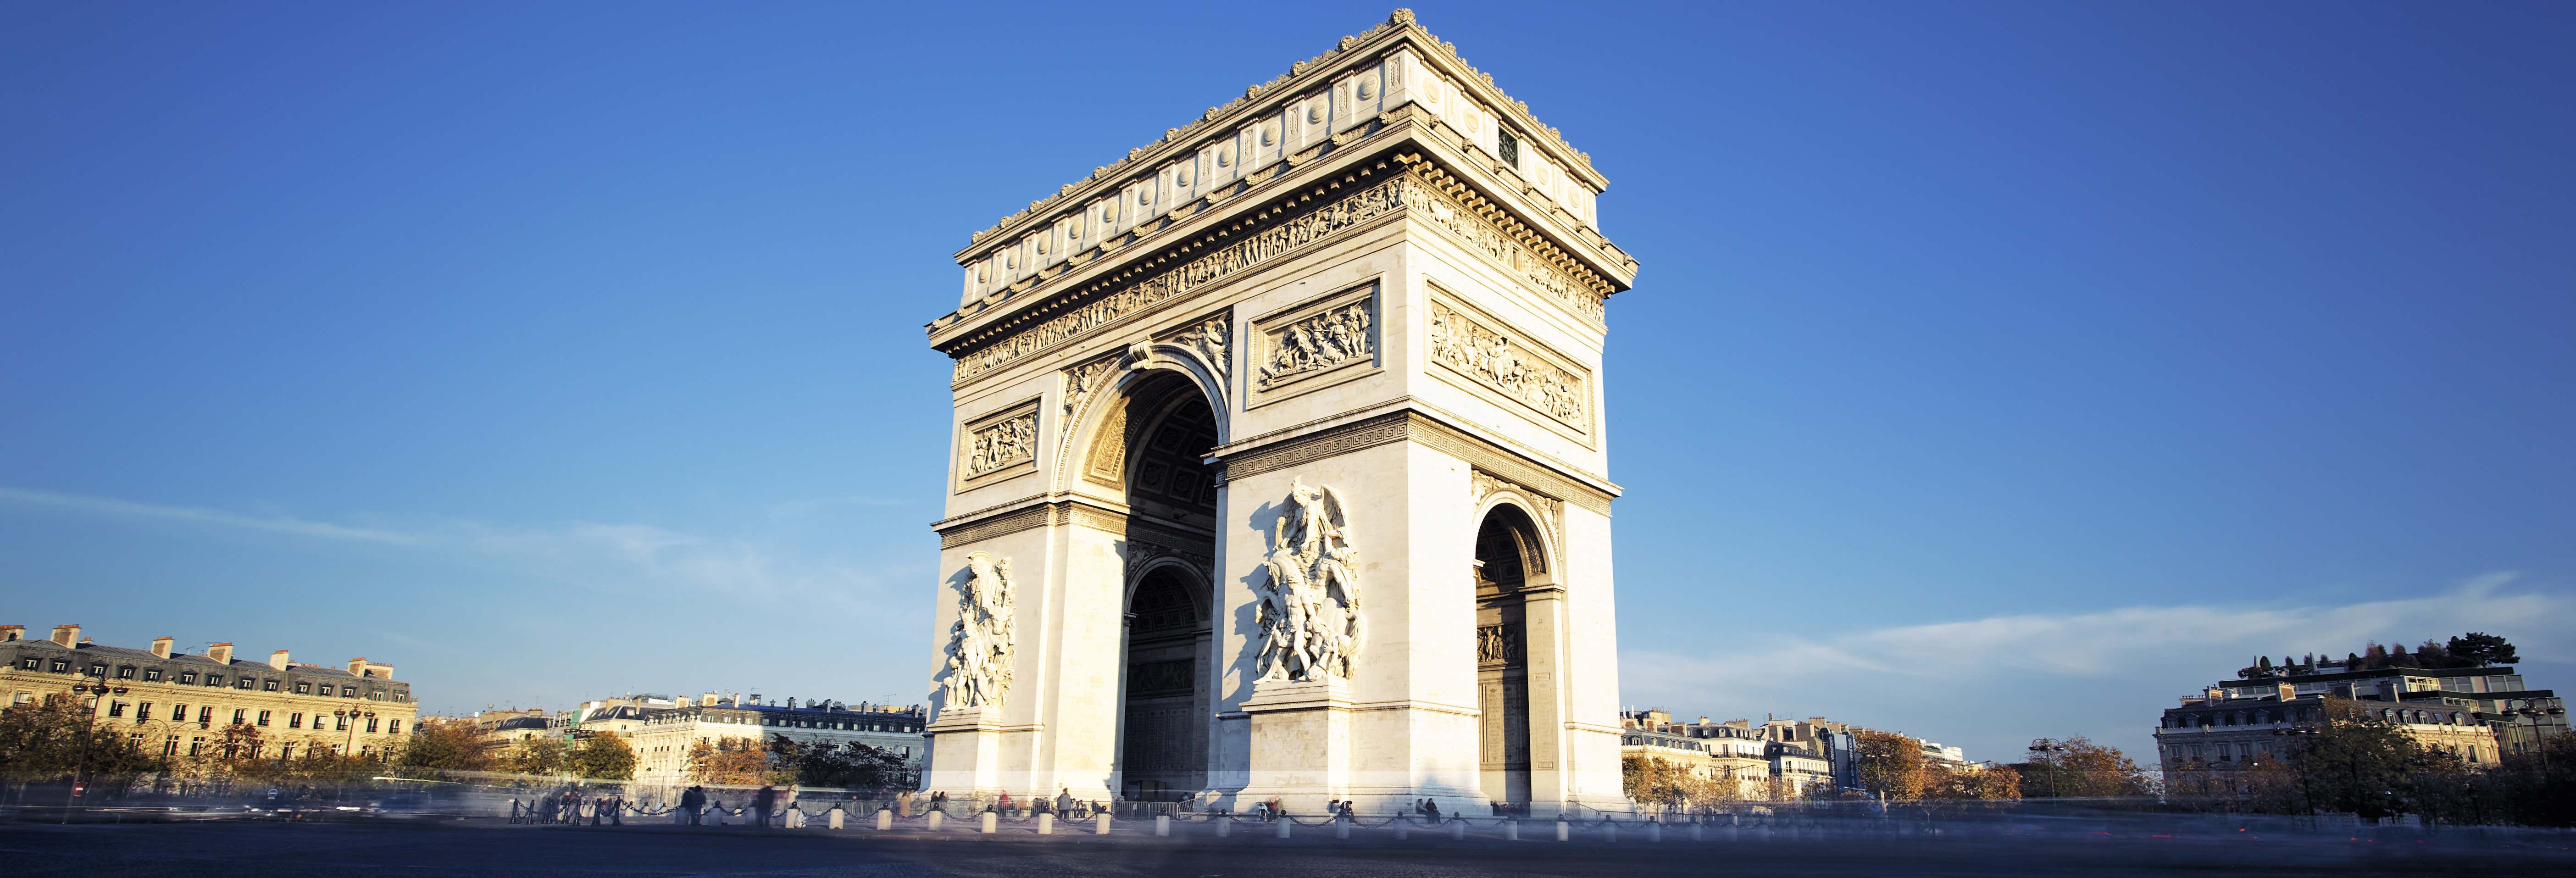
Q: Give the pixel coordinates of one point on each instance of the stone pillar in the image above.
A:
(1301, 743)
(1543, 609)
(965, 751)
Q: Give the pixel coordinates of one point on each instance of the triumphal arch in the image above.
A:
(1279, 466)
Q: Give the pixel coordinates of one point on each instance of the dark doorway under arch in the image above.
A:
(1168, 429)
(1506, 553)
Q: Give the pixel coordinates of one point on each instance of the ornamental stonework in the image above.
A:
(1508, 364)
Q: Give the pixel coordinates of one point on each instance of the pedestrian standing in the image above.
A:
(693, 802)
(761, 802)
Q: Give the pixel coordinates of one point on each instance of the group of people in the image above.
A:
(570, 806)
(694, 804)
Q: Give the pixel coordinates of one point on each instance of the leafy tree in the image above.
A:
(1975, 783)
(2478, 650)
(601, 757)
(735, 761)
(2353, 763)
(1652, 780)
(55, 737)
(439, 744)
(1890, 764)
(542, 755)
(824, 764)
(2083, 769)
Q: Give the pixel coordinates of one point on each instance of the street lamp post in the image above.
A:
(2039, 750)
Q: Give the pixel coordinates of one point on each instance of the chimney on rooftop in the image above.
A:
(161, 647)
(277, 659)
(221, 653)
(12, 632)
(707, 700)
(66, 635)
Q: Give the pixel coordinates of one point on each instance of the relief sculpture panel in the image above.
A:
(1496, 359)
(998, 446)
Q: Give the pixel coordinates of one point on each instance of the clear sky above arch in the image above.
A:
(1996, 370)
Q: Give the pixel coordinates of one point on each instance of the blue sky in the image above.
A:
(1996, 370)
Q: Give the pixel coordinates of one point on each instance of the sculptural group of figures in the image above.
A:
(980, 643)
(1326, 339)
(1309, 615)
(1002, 444)
(1493, 357)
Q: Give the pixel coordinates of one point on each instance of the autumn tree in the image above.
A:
(2353, 763)
(2080, 768)
(1890, 764)
(735, 761)
(1972, 783)
(443, 744)
(56, 737)
(602, 756)
(540, 755)
(1652, 780)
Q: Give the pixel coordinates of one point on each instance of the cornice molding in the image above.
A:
(1414, 426)
(1399, 29)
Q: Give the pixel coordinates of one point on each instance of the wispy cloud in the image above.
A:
(107, 506)
(583, 553)
(1995, 681)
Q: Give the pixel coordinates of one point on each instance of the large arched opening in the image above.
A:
(1163, 429)
(1508, 556)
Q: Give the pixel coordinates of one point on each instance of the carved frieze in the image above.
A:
(1210, 341)
(982, 643)
(1084, 380)
(1314, 338)
(1263, 247)
(998, 446)
(1497, 643)
(1490, 354)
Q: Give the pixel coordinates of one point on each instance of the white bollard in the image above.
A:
(795, 819)
(1511, 830)
(836, 816)
(1162, 825)
(1457, 830)
(936, 818)
(885, 819)
(1101, 826)
(991, 821)
(1046, 823)
(1654, 832)
(1564, 831)
(1341, 827)
(1279, 827)
(1224, 827)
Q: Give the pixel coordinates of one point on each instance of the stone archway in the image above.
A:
(1157, 438)
(1509, 555)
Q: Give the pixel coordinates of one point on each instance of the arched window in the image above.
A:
(2262, 717)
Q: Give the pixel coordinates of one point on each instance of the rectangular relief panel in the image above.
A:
(998, 446)
(1485, 356)
(1312, 345)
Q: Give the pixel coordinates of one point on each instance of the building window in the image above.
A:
(268, 685)
(303, 688)
(188, 678)
(142, 711)
(263, 717)
(206, 716)
(240, 714)
(371, 725)
(340, 722)
(178, 713)
(393, 727)
(151, 675)
(348, 691)
(245, 683)
(116, 709)
(294, 720)
(31, 663)
(125, 672)
(170, 747)
(98, 669)
(214, 679)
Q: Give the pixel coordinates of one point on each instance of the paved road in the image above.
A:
(222, 850)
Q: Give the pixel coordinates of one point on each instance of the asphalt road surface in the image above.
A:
(490, 848)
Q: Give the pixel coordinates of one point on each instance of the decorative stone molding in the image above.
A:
(1471, 344)
(1314, 338)
(1288, 226)
(1082, 381)
(1288, 234)
(1547, 508)
(975, 530)
(1414, 426)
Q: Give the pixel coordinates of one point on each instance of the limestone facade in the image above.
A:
(179, 704)
(1279, 466)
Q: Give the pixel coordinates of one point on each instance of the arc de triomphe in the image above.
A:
(1279, 464)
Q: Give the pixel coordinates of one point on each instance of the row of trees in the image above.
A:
(1674, 786)
(2472, 650)
(783, 760)
(1894, 765)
